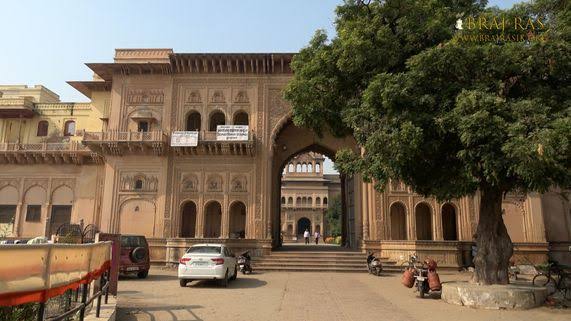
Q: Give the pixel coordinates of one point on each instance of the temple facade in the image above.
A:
(112, 163)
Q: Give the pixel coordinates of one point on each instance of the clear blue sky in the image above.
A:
(47, 42)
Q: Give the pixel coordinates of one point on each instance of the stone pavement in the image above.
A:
(298, 296)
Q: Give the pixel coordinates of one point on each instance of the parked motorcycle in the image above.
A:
(244, 262)
(374, 265)
(423, 277)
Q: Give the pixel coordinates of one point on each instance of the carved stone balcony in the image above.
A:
(47, 153)
(209, 145)
(16, 108)
(121, 143)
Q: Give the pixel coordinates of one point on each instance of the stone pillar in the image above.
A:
(199, 233)
(48, 219)
(17, 219)
(225, 228)
(437, 219)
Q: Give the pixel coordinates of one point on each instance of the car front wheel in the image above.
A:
(183, 283)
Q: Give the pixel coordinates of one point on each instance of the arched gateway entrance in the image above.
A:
(289, 141)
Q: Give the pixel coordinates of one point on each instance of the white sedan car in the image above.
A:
(207, 262)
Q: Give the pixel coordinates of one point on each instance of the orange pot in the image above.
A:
(434, 281)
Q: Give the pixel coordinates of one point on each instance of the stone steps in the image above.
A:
(317, 261)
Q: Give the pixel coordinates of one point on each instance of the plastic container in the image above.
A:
(408, 278)
(434, 281)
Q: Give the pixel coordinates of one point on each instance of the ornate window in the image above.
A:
(69, 128)
(139, 184)
(42, 128)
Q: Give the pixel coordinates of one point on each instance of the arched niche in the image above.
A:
(238, 220)
(137, 216)
(398, 221)
(423, 219)
(212, 219)
(188, 220)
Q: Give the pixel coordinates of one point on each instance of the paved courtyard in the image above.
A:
(298, 297)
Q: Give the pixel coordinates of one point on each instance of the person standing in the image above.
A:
(317, 235)
(306, 236)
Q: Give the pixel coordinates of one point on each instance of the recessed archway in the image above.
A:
(423, 220)
(398, 221)
(216, 118)
(303, 224)
(238, 220)
(188, 220)
(288, 141)
(212, 219)
(449, 225)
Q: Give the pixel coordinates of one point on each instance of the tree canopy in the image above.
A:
(445, 115)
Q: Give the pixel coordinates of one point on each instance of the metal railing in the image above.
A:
(85, 301)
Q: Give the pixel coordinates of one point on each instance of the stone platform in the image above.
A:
(512, 296)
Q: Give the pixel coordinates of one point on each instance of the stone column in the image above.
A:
(17, 219)
(199, 233)
(437, 219)
(225, 228)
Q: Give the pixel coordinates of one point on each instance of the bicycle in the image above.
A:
(554, 277)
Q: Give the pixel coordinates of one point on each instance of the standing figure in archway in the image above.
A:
(306, 236)
(317, 235)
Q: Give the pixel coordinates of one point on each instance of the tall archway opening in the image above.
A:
(212, 220)
(238, 220)
(188, 220)
(398, 221)
(303, 224)
(292, 168)
(423, 220)
(449, 225)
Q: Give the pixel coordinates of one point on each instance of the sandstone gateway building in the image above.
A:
(110, 163)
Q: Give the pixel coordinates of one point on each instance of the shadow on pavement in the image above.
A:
(240, 283)
(150, 277)
(167, 313)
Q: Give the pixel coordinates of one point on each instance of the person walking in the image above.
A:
(306, 236)
(317, 235)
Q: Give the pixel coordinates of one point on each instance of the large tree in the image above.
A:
(447, 116)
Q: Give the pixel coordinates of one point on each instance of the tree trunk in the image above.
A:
(494, 245)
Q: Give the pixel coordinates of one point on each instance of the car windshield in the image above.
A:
(204, 249)
(133, 241)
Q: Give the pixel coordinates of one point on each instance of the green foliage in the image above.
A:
(333, 217)
(446, 117)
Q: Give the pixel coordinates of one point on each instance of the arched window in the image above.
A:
(398, 221)
(298, 201)
(325, 201)
(188, 220)
(304, 200)
(193, 121)
(423, 222)
(449, 232)
(291, 168)
(241, 118)
(69, 128)
(309, 201)
(139, 184)
(237, 220)
(317, 168)
(304, 168)
(42, 128)
(283, 200)
(290, 200)
(298, 168)
(318, 201)
(310, 168)
(217, 118)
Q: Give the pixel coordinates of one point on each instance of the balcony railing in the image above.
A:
(119, 143)
(52, 153)
(208, 144)
(43, 147)
(116, 136)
